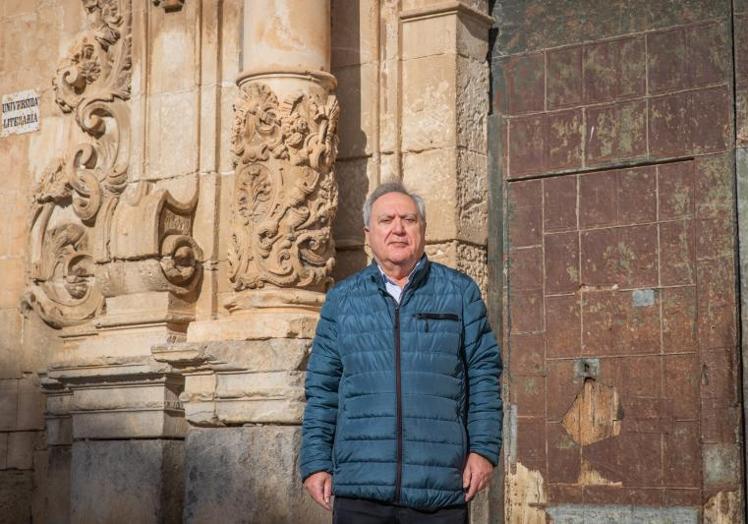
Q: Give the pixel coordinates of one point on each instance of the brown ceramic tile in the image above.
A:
(562, 317)
(682, 455)
(526, 354)
(719, 378)
(562, 386)
(679, 313)
(531, 440)
(561, 262)
(632, 78)
(528, 394)
(741, 49)
(526, 146)
(560, 203)
(525, 268)
(564, 457)
(564, 494)
(597, 199)
(666, 57)
(669, 125)
(618, 323)
(637, 195)
(564, 77)
(708, 54)
(716, 303)
(604, 495)
(713, 186)
(719, 422)
(681, 497)
(601, 64)
(677, 253)
(681, 386)
(564, 140)
(524, 77)
(526, 311)
(676, 190)
(524, 213)
(626, 256)
(714, 237)
(709, 114)
(616, 132)
(640, 458)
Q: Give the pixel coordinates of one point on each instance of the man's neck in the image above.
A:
(397, 273)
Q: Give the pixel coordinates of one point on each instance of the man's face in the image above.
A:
(396, 232)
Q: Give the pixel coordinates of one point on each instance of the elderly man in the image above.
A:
(403, 415)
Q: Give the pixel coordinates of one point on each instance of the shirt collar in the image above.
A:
(410, 275)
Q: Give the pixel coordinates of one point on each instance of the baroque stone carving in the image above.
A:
(285, 191)
(75, 225)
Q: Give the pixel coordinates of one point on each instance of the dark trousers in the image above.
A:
(360, 511)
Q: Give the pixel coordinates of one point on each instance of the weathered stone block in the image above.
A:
(616, 132)
(614, 69)
(30, 404)
(21, 449)
(52, 502)
(174, 49)
(358, 123)
(564, 83)
(10, 344)
(3, 450)
(524, 213)
(127, 481)
(8, 404)
(523, 86)
(15, 496)
(14, 273)
(246, 475)
(355, 27)
(471, 104)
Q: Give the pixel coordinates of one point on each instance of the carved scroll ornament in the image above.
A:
(285, 192)
(75, 203)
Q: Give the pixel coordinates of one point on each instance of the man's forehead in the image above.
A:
(395, 203)
(403, 214)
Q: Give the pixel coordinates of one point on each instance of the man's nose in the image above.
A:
(398, 226)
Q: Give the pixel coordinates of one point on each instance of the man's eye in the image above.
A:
(385, 220)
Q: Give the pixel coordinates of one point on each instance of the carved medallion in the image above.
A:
(285, 192)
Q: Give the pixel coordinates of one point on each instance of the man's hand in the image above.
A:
(319, 486)
(476, 476)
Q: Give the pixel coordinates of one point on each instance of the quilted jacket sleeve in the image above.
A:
(483, 361)
(322, 379)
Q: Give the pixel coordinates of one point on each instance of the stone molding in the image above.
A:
(446, 8)
(87, 217)
(285, 194)
(169, 5)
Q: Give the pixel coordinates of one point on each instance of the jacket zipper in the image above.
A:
(399, 413)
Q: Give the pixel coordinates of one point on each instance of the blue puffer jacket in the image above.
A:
(389, 412)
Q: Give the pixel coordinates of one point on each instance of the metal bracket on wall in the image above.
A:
(169, 5)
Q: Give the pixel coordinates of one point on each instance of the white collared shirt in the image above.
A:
(391, 286)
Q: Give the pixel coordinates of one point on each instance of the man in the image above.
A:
(403, 415)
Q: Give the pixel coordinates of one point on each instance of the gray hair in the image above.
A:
(392, 187)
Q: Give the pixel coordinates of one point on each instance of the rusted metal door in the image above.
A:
(620, 333)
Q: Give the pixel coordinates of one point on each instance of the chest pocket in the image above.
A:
(438, 322)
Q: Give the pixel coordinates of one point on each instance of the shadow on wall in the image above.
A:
(348, 66)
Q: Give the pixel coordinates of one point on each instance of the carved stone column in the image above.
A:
(245, 369)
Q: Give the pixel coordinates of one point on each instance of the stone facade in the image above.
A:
(192, 192)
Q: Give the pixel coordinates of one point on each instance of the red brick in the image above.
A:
(560, 203)
(708, 54)
(677, 253)
(713, 237)
(598, 199)
(714, 192)
(527, 354)
(676, 190)
(526, 146)
(528, 394)
(564, 77)
(561, 262)
(524, 213)
(531, 440)
(716, 303)
(564, 455)
(562, 387)
(681, 384)
(666, 57)
(525, 83)
(670, 125)
(525, 268)
(719, 375)
(562, 317)
(616, 132)
(719, 422)
(682, 455)
(709, 113)
(526, 311)
(679, 313)
(637, 195)
(564, 140)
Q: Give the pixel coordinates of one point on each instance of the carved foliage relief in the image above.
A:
(285, 195)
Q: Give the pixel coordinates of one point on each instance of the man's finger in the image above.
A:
(327, 491)
(467, 475)
(472, 490)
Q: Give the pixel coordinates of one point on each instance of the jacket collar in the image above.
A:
(419, 273)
